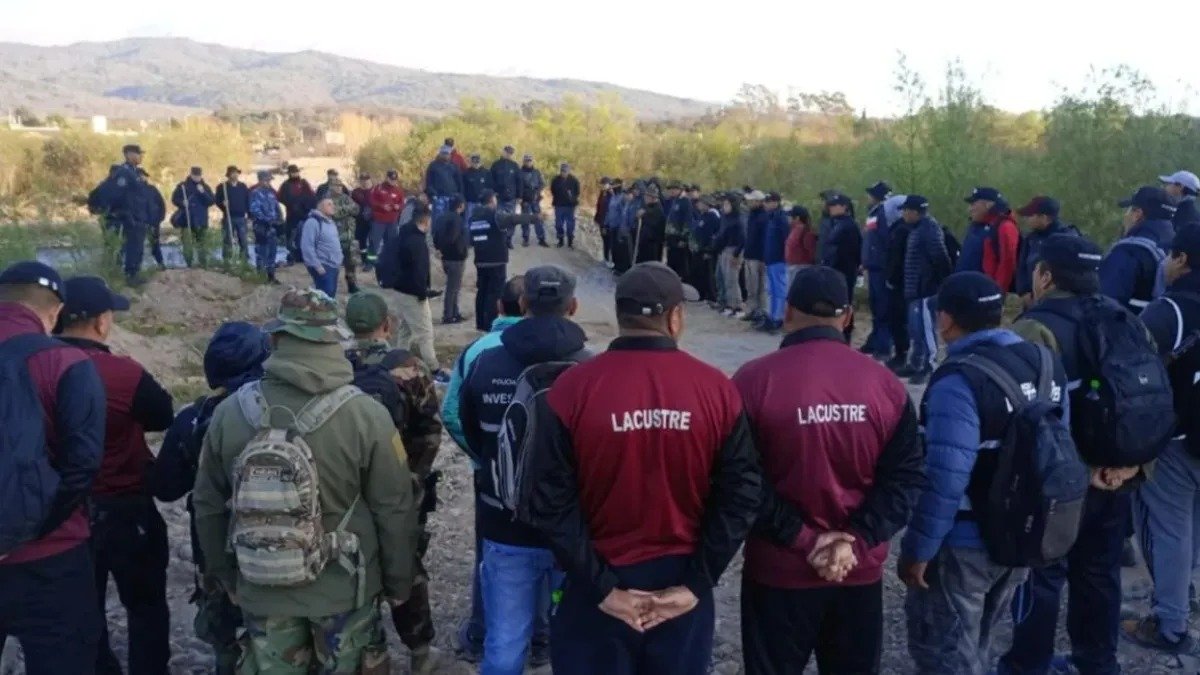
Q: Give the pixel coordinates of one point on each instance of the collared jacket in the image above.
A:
(358, 455)
(564, 190)
(443, 179)
(615, 216)
(532, 185)
(1129, 272)
(861, 469)
(756, 234)
(154, 208)
(413, 264)
(1031, 254)
(72, 398)
(475, 181)
(844, 252)
(801, 246)
(926, 261)
(876, 238)
(135, 403)
(506, 180)
(193, 200)
(297, 198)
(489, 230)
(958, 420)
(462, 366)
(386, 203)
(776, 236)
(602, 201)
(264, 206)
(233, 199)
(645, 454)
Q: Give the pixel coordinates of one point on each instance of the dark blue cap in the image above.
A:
(915, 203)
(880, 190)
(1153, 201)
(837, 199)
(970, 295)
(819, 291)
(989, 194)
(1071, 253)
(1187, 240)
(89, 297)
(33, 272)
(1040, 206)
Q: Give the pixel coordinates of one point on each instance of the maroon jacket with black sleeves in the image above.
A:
(838, 438)
(136, 403)
(645, 453)
(73, 405)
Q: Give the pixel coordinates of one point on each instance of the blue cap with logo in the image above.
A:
(29, 272)
(89, 297)
(1153, 201)
(1071, 253)
(970, 294)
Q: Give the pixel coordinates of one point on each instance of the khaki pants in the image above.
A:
(415, 330)
(756, 286)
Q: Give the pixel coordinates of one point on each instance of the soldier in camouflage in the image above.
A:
(331, 625)
(416, 415)
(345, 214)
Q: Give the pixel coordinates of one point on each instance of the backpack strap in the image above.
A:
(318, 411)
(998, 375)
(22, 347)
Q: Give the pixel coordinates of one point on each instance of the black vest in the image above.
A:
(489, 240)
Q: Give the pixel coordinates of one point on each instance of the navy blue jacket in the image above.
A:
(237, 196)
(706, 231)
(198, 198)
(844, 252)
(154, 209)
(1186, 213)
(926, 262)
(443, 179)
(121, 196)
(475, 181)
(756, 234)
(876, 239)
(730, 234)
(1128, 273)
(1030, 254)
(506, 180)
(775, 241)
(532, 185)
(487, 391)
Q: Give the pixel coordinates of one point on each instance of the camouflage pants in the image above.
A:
(217, 622)
(351, 256)
(414, 619)
(343, 644)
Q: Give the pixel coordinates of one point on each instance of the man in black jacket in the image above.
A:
(844, 250)
(415, 332)
(564, 194)
(506, 180)
(476, 179)
(155, 213)
(652, 229)
(233, 200)
(1041, 214)
(532, 185)
(490, 230)
(898, 320)
(450, 239)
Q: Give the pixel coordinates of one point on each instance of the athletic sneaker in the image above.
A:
(739, 315)
(1145, 632)
(727, 312)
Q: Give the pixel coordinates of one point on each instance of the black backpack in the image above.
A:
(375, 379)
(514, 451)
(1123, 412)
(1183, 365)
(1035, 494)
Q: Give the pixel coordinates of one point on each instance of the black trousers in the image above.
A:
(606, 240)
(680, 260)
(898, 321)
(781, 628)
(489, 286)
(129, 542)
(622, 250)
(44, 605)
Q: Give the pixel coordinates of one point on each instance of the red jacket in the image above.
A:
(1000, 254)
(72, 402)
(801, 246)
(838, 439)
(386, 203)
(458, 160)
(135, 404)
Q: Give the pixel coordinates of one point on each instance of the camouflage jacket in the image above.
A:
(345, 214)
(422, 428)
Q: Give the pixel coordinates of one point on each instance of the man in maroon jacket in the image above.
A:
(838, 438)
(45, 583)
(646, 485)
(129, 537)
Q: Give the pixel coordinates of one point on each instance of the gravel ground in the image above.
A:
(722, 342)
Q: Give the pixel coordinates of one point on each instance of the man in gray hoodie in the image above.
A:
(321, 247)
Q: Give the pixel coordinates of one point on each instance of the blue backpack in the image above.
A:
(28, 482)
(1034, 496)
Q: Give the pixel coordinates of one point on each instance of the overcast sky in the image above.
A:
(1021, 52)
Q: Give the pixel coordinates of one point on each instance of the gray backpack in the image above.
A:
(275, 527)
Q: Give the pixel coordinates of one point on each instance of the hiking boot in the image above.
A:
(422, 661)
(543, 243)
(560, 243)
(919, 377)
(1145, 632)
(1128, 554)
(897, 362)
(752, 316)
(739, 315)
(571, 244)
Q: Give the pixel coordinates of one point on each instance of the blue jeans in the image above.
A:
(564, 222)
(439, 205)
(515, 584)
(539, 227)
(266, 248)
(49, 606)
(880, 339)
(327, 282)
(922, 332)
(235, 226)
(1167, 514)
(777, 288)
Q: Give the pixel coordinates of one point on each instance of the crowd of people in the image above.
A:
(613, 489)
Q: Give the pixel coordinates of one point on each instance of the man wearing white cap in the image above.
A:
(1183, 186)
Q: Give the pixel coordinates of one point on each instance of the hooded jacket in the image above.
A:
(320, 244)
(487, 391)
(462, 366)
(358, 454)
(1129, 271)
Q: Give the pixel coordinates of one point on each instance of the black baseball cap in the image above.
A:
(476, 157)
(819, 291)
(800, 212)
(1040, 206)
(989, 194)
(880, 190)
(1187, 240)
(89, 297)
(651, 289)
(548, 287)
(837, 199)
(32, 272)
(970, 295)
(915, 203)
(1152, 200)
(1070, 253)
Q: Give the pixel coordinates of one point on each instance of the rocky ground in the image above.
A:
(169, 326)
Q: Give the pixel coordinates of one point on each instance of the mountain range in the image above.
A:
(164, 77)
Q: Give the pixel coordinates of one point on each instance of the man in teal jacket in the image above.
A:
(471, 634)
